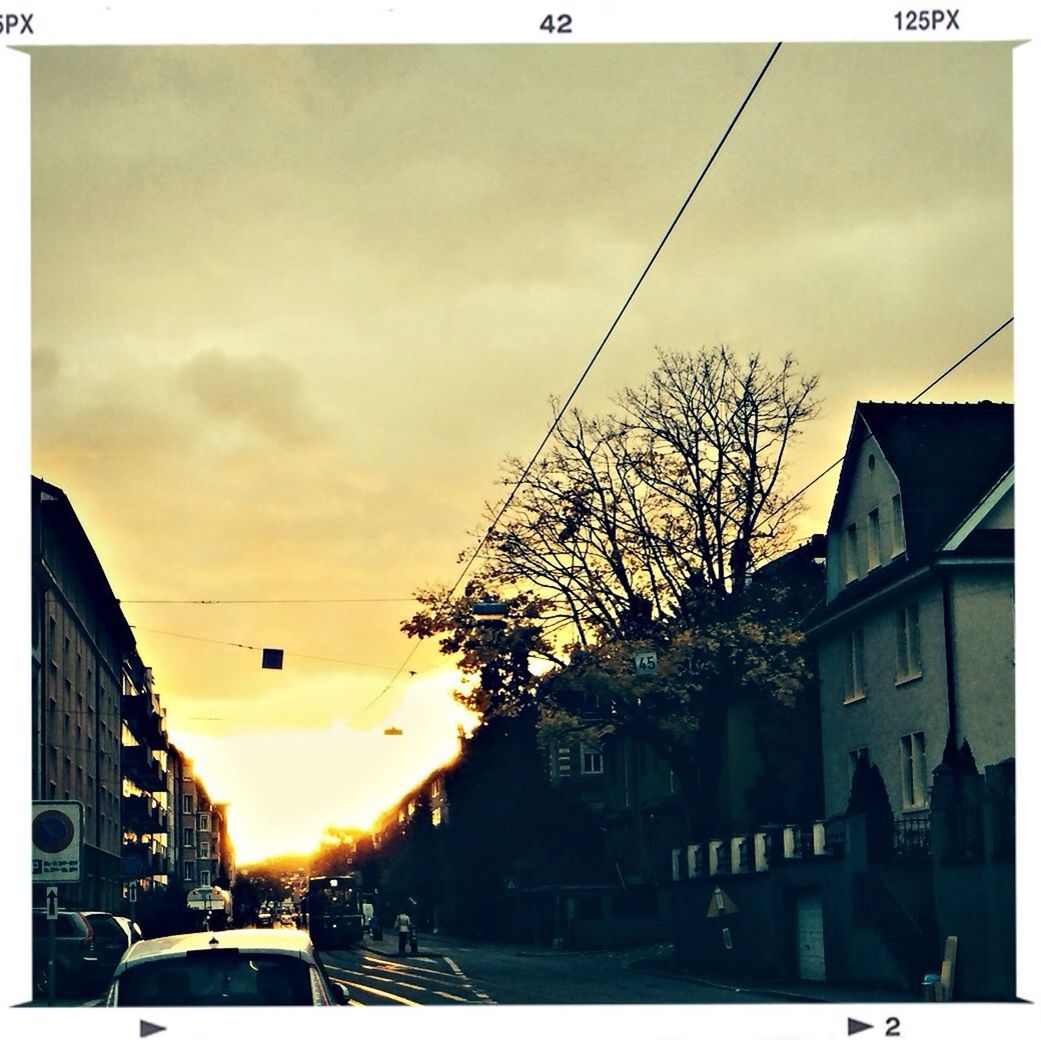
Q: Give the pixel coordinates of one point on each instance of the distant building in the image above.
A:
(145, 808)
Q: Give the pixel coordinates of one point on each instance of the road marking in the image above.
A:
(376, 992)
(482, 996)
(406, 968)
(449, 996)
(380, 978)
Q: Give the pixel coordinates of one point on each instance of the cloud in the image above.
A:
(261, 392)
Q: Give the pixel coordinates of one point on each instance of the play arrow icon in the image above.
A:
(148, 1028)
(853, 1026)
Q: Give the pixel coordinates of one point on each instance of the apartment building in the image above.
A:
(80, 640)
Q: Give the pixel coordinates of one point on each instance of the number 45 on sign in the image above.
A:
(646, 662)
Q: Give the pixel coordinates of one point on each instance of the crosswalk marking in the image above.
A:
(377, 992)
(398, 966)
(380, 978)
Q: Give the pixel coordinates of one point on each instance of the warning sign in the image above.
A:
(720, 904)
(57, 841)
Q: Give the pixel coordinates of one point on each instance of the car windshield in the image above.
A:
(217, 978)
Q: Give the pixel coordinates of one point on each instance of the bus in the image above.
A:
(210, 908)
(332, 910)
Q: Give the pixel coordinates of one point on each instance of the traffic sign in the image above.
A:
(720, 904)
(646, 662)
(57, 835)
(52, 902)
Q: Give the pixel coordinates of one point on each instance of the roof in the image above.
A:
(946, 457)
(51, 506)
(286, 941)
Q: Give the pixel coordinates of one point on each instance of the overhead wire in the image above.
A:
(210, 602)
(248, 646)
(592, 361)
(921, 393)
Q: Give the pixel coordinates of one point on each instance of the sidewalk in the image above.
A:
(788, 990)
(658, 959)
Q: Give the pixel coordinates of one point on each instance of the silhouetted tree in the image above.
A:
(635, 533)
(868, 796)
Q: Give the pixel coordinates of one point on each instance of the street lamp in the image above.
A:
(490, 611)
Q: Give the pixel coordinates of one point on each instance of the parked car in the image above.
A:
(87, 947)
(132, 929)
(238, 967)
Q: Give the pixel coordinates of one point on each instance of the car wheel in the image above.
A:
(41, 981)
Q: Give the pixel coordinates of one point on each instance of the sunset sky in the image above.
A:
(291, 307)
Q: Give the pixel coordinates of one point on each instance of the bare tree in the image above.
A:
(630, 514)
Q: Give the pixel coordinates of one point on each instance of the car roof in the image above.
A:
(249, 940)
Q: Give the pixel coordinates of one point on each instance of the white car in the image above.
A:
(234, 968)
(132, 929)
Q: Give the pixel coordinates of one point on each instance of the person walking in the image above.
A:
(403, 924)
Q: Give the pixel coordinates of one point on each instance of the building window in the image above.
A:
(189, 837)
(204, 877)
(908, 644)
(856, 687)
(204, 822)
(852, 566)
(188, 803)
(563, 761)
(189, 870)
(856, 756)
(874, 557)
(435, 816)
(912, 757)
(204, 848)
(898, 526)
(592, 761)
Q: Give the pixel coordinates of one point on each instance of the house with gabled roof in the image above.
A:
(915, 639)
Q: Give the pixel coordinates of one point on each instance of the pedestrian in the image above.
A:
(403, 924)
(375, 928)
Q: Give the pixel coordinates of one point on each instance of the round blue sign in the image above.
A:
(53, 831)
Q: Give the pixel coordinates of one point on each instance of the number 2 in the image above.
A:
(894, 1027)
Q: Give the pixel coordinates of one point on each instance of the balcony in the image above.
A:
(140, 860)
(144, 715)
(143, 816)
(141, 766)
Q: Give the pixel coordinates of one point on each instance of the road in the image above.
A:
(450, 971)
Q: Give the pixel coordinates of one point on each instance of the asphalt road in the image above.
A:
(450, 971)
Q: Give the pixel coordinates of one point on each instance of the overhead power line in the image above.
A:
(398, 599)
(592, 361)
(618, 317)
(247, 646)
(921, 393)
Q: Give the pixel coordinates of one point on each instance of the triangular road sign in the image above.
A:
(720, 903)
(148, 1028)
(856, 1027)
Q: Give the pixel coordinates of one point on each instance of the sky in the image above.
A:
(292, 306)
